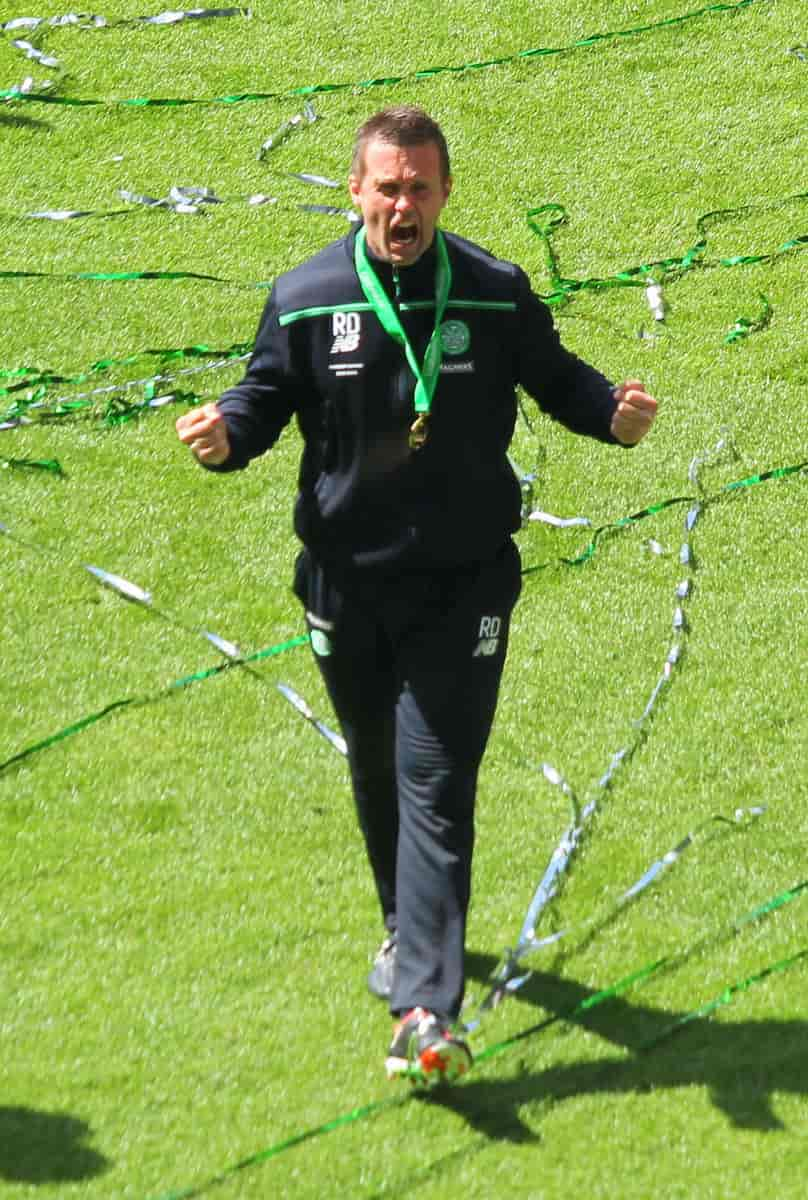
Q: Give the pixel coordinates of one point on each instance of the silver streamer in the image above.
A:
(557, 522)
(59, 214)
(307, 117)
(330, 210)
(527, 480)
(44, 60)
(507, 977)
(228, 649)
(82, 20)
(192, 200)
(656, 303)
(320, 180)
(94, 21)
(178, 200)
(298, 703)
(124, 587)
(650, 875)
(190, 14)
(107, 390)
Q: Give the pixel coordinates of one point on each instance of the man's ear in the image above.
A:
(354, 184)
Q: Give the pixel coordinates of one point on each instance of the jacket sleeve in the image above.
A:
(563, 385)
(258, 408)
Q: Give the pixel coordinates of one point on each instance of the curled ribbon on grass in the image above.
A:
(28, 377)
(507, 981)
(184, 200)
(422, 74)
(306, 117)
(178, 200)
(634, 980)
(745, 325)
(39, 56)
(96, 21)
(32, 464)
(547, 218)
(118, 409)
(557, 869)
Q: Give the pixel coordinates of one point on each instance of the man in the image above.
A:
(399, 348)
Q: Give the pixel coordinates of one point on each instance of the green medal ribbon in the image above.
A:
(426, 373)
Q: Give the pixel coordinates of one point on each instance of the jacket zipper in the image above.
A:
(404, 374)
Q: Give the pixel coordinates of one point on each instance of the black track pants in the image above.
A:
(412, 664)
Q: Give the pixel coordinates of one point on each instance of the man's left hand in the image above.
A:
(635, 412)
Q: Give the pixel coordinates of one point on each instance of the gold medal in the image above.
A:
(419, 431)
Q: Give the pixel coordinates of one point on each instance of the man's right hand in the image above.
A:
(204, 431)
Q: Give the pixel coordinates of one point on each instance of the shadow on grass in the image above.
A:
(40, 1147)
(742, 1064)
(18, 121)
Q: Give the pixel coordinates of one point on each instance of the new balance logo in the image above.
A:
(489, 637)
(345, 328)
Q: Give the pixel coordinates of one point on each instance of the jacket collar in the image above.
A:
(416, 282)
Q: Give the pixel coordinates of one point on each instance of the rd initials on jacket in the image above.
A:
(345, 327)
(488, 637)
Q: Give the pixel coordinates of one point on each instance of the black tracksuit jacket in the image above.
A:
(366, 501)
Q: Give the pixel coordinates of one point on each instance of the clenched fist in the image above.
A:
(204, 431)
(635, 412)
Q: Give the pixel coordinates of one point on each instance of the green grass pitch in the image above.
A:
(187, 916)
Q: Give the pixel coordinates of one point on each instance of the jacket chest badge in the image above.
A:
(455, 337)
(346, 328)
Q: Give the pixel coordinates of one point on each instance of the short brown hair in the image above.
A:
(405, 125)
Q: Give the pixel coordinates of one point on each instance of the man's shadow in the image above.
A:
(741, 1064)
(40, 1147)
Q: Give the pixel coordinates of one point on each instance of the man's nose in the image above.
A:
(403, 202)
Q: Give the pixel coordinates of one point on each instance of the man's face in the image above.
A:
(400, 193)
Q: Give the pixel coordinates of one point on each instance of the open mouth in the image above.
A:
(404, 235)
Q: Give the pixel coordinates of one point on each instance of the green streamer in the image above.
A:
(117, 410)
(607, 993)
(563, 289)
(136, 701)
(725, 997)
(382, 81)
(34, 464)
(662, 965)
(554, 215)
(746, 325)
(635, 979)
(31, 376)
(652, 509)
(129, 276)
(750, 481)
(356, 1114)
(69, 730)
